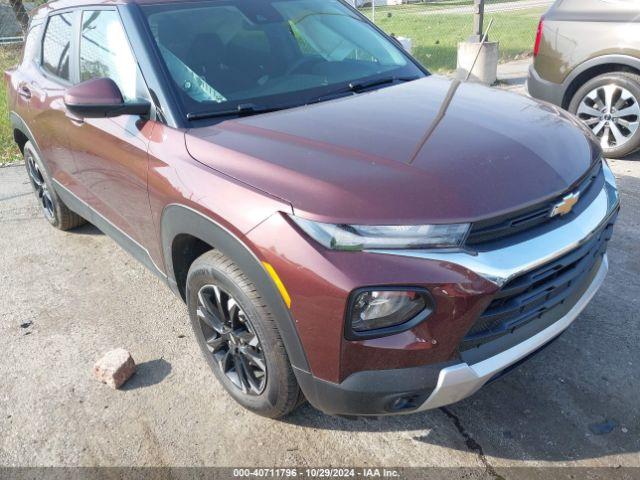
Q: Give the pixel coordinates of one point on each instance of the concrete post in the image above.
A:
(476, 60)
(479, 59)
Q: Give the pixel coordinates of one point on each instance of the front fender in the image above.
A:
(180, 220)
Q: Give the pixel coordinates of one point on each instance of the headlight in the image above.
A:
(361, 237)
(386, 311)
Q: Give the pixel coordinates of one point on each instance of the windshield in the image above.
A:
(223, 55)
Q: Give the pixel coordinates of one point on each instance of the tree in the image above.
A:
(21, 14)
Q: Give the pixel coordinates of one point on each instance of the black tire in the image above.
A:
(53, 208)
(628, 81)
(280, 392)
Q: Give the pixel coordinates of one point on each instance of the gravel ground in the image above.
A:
(69, 297)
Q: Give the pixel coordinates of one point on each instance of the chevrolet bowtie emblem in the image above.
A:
(565, 205)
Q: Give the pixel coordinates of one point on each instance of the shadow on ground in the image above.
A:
(148, 374)
(87, 229)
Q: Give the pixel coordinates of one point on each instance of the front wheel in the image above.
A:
(239, 338)
(610, 106)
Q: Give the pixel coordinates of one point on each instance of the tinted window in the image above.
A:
(32, 42)
(271, 53)
(57, 45)
(105, 52)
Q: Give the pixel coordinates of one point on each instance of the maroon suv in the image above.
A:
(342, 226)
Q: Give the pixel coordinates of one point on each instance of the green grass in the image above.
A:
(424, 6)
(9, 153)
(435, 37)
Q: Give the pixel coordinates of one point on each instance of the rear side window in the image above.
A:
(32, 42)
(56, 47)
(105, 52)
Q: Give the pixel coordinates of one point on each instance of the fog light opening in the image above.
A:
(379, 312)
(406, 402)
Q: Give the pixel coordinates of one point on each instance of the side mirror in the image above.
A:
(101, 98)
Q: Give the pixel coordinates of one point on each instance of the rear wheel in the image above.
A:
(53, 208)
(610, 106)
(239, 338)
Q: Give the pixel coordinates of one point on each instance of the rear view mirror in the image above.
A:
(101, 98)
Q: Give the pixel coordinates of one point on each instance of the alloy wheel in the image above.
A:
(612, 113)
(231, 340)
(40, 187)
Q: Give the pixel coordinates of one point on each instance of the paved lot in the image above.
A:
(68, 297)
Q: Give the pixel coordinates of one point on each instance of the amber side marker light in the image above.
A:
(278, 282)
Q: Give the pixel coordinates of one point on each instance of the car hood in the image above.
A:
(428, 151)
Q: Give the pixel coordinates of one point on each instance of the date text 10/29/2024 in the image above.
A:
(316, 472)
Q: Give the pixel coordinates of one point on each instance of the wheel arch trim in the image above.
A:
(18, 123)
(612, 59)
(178, 219)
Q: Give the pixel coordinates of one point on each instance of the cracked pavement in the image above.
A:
(69, 297)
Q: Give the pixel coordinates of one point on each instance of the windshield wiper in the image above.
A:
(358, 87)
(244, 109)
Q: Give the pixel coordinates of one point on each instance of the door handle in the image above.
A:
(24, 91)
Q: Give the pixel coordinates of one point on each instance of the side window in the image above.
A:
(105, 52)
(32, 42)
(56, 47)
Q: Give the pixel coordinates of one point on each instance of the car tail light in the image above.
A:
(536, 47)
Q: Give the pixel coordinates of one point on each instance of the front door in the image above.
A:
(111, 153)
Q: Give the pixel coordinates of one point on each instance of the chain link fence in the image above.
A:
(435, 27)
(10, 32)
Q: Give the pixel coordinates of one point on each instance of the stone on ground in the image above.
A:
(115, 368)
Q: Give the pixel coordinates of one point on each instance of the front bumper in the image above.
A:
(460, 381)
(407, 390)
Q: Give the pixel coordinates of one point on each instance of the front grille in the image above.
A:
(529, 296)
(517, 222)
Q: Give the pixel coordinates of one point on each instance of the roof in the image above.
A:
(60, 4)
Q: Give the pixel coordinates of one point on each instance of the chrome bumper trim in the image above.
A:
(501, 265)
(460, 381)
